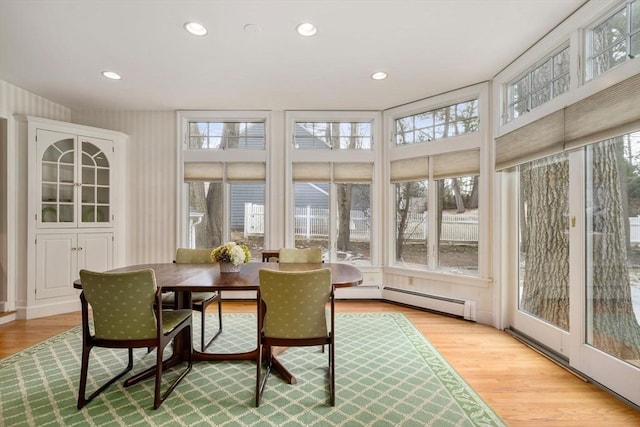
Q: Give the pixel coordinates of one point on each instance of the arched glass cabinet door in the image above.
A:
(58, 182)
(95, 205)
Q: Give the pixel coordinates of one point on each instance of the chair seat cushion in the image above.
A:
(169, 298)
(172, 318)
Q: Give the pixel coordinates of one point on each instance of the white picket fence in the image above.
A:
(634, 230)
(314, 222)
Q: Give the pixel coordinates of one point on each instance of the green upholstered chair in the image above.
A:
(199, 300)
(127, 314)
(292, 313)
(310, 255)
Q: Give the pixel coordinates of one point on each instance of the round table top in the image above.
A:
(207, 277)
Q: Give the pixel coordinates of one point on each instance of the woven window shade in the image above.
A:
(312, 172)
(609, 113)
(246, 171)
(352, 172)
(533, 141)
(203, 171)
(455, 164)
(416, 169)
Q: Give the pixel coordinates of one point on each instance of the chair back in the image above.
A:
(194, 256)
(295, 303)
(122, 303)
(310, 255)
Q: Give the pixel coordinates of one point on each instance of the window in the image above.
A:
(544, 82)
(223, 135)
(223, 196)
(615, 40)
(332, 209)
(442, 232)
(332, 158)
(411, 222)
(333, 135)
(446, 122)
(458, 224)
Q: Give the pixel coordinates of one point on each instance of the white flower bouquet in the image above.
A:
(231, 252)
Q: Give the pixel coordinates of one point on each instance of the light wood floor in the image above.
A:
(521, 386)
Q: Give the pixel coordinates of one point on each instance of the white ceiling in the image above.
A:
(58, 48)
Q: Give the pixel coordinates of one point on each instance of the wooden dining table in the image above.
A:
(183, 279)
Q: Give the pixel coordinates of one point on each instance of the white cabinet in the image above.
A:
(59, 257)
(75, 209)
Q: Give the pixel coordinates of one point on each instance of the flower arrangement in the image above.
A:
(231, 252)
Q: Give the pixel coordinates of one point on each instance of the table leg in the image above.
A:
(180, 351)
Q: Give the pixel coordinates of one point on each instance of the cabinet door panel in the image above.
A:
(96, 181)
(56, 177)
(95, 251)
(55, 265)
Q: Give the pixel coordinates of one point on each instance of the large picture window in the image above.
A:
(224, 190)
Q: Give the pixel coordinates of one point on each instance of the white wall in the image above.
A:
(13, 207)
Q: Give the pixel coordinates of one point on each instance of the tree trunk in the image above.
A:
(545, 289)
(457, 196)
(615, 327)
(344, 216)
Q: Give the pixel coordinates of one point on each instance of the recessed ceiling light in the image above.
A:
(111, 75)
(195, 28)
(380, 75)
(252, 28)
(307, 29)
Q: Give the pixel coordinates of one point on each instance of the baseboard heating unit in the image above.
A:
(451, 306)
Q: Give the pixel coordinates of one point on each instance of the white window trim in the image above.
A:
(230, 155)
(480, 140)
(373, 156)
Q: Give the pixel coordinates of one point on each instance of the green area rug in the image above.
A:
(387, 374)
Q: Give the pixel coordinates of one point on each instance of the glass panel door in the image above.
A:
(95, 187)
(610, 338)
(57, 178)
(543, 230)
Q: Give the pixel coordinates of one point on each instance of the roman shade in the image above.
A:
(612, 112)
(533, 141)
(353, 172)
(249, 171)
(328, 171)
(203, 171)
(215, 171)
(415, 169)
(456, 164)
(312, 172)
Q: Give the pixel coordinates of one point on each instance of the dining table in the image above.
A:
(183, 279)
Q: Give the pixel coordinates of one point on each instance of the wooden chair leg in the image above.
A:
(82, 399)
(158, 399)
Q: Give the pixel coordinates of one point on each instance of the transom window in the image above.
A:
(445, 122)
(615, 40)
(542, 83)
(223, 135)
(333, 135)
